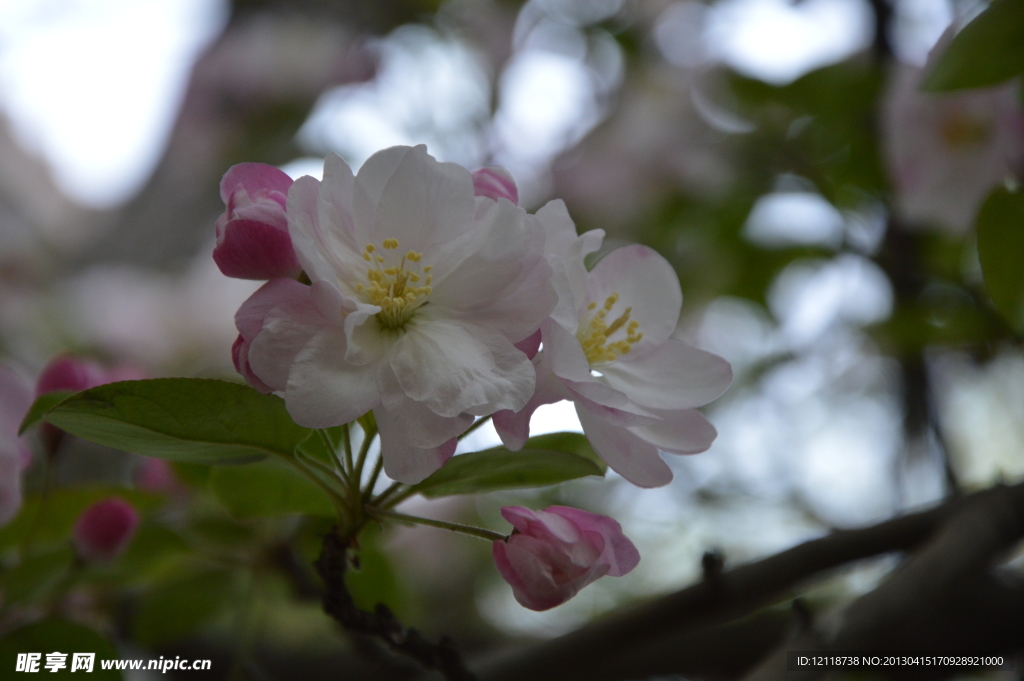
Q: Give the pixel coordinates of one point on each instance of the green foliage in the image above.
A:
(61, 636)
(172, 611)
(37, 576)
(988, 51)
(180, 419)
(1000, 228)
(573, 443)
(268, 489)
(43, 404)
(498, 469)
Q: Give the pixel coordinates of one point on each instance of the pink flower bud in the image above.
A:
(155, 475)
(70, 373)
(252, 234)
(105, 528)
(556, 552)
(495, 183)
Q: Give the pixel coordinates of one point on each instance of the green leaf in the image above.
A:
(37, 576)
(498, 469)
(174, 610)
(268, 489)
(63, 506)
(573, 443)
(1000, 228)
(57, 636)
(182, 419)
(43, 404)
(989, 50)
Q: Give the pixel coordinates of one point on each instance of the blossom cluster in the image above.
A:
(424, 293)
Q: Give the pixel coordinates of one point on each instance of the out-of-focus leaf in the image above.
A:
(37, 576)
(171, 611)
(268, 489)
(61, 636)
(43, 404)
(63, 506)
(1000, 228)
(498, 469)
(152, 547)
(573, 443)
(989, 50)
(182, 419)
(375, 580)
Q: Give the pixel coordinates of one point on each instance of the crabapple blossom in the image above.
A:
(105, 529)
(947, 151)
(554, 553)
(15, 399)
(419, 292)
(613, 352)
(252, 234)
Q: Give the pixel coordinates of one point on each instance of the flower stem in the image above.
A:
(364, 449)
(477, 424)
(372, 482)
(346, 439)
(333, 452)
(452, 527)
(399, 498)
(383, 496)
(302, 463)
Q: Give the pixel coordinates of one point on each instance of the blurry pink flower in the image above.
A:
(635, 386)
(252, 234)
(15, 399)
(947, 151)
(495, 183)
(105, 528)
(156, 475)
(556, 552)
(419, 293)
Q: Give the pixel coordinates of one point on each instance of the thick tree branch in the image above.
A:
(382, 624)
(583, 653)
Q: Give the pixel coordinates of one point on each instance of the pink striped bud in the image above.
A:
(556, 552)
(252, 234)
(495, 183)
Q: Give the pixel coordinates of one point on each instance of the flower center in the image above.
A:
(595, 334)
(394, 289)
(961, 130)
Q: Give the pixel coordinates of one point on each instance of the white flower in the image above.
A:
(947, 151)
(635, 386)
(419, 292)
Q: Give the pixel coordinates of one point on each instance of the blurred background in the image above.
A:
(818, 210)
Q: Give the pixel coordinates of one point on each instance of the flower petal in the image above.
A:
(495, 183)
(566, 251)
(287, 329)
(679, 432)
(453, 368)
(675, 375)
(420, 426)
(627, 454)
(422, 203)
(645, 282)
(403, 462)
(248, 249)
(323, 389)
(254, 177)
(618, 552)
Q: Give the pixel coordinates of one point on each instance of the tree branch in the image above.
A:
(584, 653)
(381, 624)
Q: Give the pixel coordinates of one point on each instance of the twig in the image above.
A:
(381, 624)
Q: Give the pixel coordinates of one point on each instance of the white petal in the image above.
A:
(421, 203)
(566, 250)
(403, 463)
(514, 427)
(627, 454)
(645, 282)
(286, 330)
(675, 375)
(323, 389)
(335, 201)
(418, 426)
(453, 368)
(679, 432)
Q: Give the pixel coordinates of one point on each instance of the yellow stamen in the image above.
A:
(594, 335)
(394, 288)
